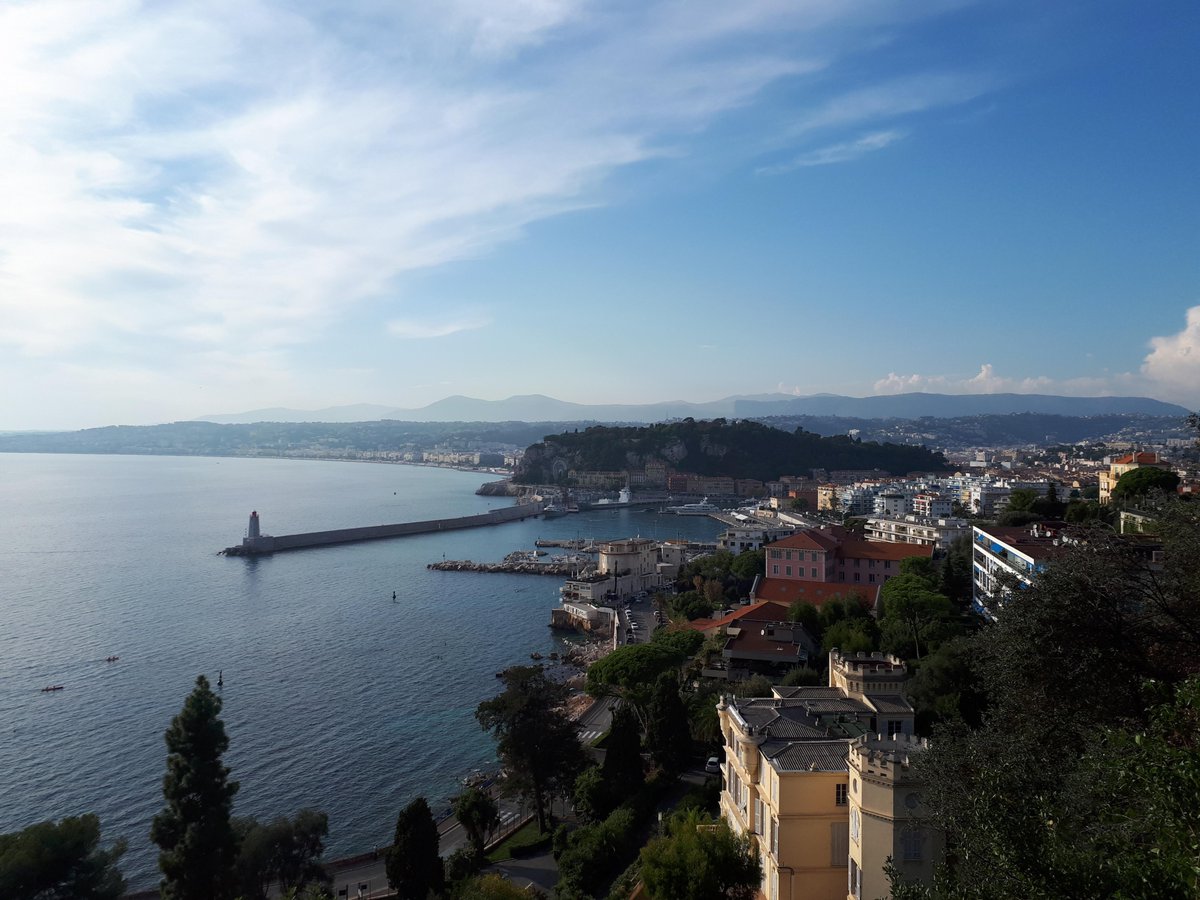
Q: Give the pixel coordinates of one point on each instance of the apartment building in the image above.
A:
(835, 555)
(1004, 558)
(937, 533)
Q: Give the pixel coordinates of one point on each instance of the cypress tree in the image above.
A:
(668, 736)
(413, 865)
(198, 849)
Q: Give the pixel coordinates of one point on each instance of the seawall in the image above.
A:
(277, 543)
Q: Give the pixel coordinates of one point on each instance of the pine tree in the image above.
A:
(198, 849)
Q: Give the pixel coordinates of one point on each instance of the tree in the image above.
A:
(913, 615)
(284, 850)
(1081, 779)
(802, 676)
(60, 861)
(477, 812)
(534, 738)
(667, 735)
(412, 862)
(495, 887)
(197, 846)
(695, 863)
(854, 635)
(623, 770)
(749, 563)
(1144, 480)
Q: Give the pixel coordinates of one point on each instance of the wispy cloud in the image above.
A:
(181, 180)
(838, 153)
(408, 328)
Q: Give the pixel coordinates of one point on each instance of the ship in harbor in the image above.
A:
(703, 508)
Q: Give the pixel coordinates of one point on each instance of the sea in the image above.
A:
(336, 696)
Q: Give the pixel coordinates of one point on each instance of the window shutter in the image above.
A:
(839, 844)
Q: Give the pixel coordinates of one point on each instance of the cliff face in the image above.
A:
(737, 449)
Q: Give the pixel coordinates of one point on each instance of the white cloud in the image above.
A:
(988, 381)
(838, 153)
(1174, 360)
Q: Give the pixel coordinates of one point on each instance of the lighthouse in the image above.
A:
(252, 531)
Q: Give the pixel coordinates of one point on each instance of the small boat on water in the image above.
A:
(111, 658)
(52, 687)
(535, 655)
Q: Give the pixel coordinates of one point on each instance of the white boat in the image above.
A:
(703, 508)
(623, 498)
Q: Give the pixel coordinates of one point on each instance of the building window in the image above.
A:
(776, 554)
(840, 794)
(871, 579)
(895, 728)
(774, 570)
(913, 851)
(787, 570)
(854, 824)
(887, 563)
(857, 576)
(813, 556)
(775, 838)
(870, 563)
(814, 573)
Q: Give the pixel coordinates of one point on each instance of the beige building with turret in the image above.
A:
(786, 778)
(887, 816)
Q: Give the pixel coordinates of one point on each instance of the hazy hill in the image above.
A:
(539, 408)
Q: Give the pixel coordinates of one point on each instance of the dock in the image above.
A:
(258, 544)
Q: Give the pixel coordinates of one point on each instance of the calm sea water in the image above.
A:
(335, 697)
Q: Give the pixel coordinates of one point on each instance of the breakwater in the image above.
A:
(257, 544)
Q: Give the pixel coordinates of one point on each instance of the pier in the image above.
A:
(258, 544)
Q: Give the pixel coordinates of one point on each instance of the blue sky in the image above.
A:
(224, 206)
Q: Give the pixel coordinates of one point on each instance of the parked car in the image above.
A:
(713, 766)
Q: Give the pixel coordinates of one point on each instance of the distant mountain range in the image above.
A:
(539, 408)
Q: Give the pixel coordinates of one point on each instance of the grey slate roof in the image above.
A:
(890, 703)
(806, 756)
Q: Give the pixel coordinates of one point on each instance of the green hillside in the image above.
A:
(740, 449)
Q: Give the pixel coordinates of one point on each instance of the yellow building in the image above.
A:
(1123, 464)
(786, 781)
(887, 816)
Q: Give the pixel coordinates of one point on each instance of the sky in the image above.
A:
(215, 207)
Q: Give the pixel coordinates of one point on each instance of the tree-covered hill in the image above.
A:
(741, 449)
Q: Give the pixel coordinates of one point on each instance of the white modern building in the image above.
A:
(936, 533)
(1006, 558)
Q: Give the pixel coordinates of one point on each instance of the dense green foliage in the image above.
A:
(413, 865)
(286, 851)
(60, 861)
(198, 847)
(631, 671)
(1080, 779)
(694, 863)
(535, 740)
(740, 449)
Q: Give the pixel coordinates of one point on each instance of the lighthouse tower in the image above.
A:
(253, 531)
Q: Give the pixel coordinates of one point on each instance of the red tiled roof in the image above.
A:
(784, 592)
(1141, 459)
(809, 539)
(756, 612)
(857, 548)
